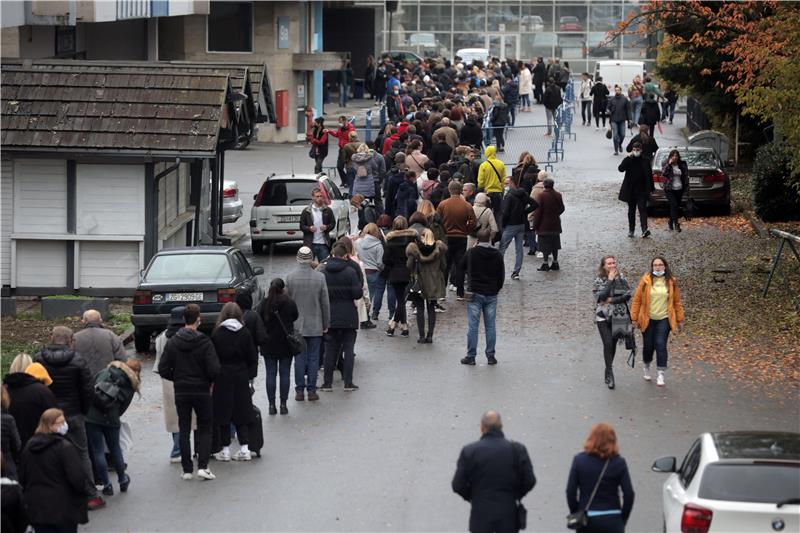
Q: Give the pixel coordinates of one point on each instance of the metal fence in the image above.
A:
(696, 119)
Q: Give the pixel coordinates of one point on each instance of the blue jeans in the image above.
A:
(344, 89)
(530, 238)
(320, 251)
(517, 233)
(487, 305)
(636, 108)
(306, 363)
(274, 366)
(350, 173)
(618, 134)
(176, 446)
(382, 285)
(667, 111)
(98, 436)
(655, 339)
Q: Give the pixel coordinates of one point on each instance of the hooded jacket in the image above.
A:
(432, 262)
(491, 173)
(516, 206)
(238, 364)
(29, 399)
(72, 379)
(485, 268)
(190, 362)
(11, 444)
(344, 287)
(55, 484)
(127, 381)
(394, 257)
(370, 251)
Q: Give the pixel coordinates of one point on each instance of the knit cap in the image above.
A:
(39, 372)
(304, 255)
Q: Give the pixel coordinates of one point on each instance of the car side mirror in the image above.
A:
(255, 196)
(665, 465)
(258, 271)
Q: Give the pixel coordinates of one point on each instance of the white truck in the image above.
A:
(618, 72)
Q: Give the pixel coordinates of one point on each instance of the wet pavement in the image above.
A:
(382, 458)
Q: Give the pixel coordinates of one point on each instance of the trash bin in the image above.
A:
(358, 88)
(718, 141)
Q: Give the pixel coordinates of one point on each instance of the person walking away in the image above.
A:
(307, 288)
(539, 76)
(676, 183)
(280, 313)
(483, 219)
(552, 100)
(415, 159)
(611, 295)
(499, 121)
(54, 484)
(11, 446)
(486, 272)
(656, 310)
(427, 260)
(347, 153)
(318, 137)
(636, 95)
(381, 77)
(440, 151)
(369, 76)
(525, 87)
(528, 173)
(491, 177)
(29, 395)
(397, 273)
(14, 515)
(585, 96)
(599, 94)
(650, 114)
(668, 107)
(493, 474)
(370, 251)
(191, 363)
(547, 224)
(458, 219)
(103, 419)
(343, 79)
(72, 387)
(405, 200)
(96, 344)
(510, 92)
(344, 287)
(636, 188)
(597, 477)
(619, 113)
(342, 134)
(363, 180)
(383, 285)
(516, 206)
(649, 144)
(316, 223)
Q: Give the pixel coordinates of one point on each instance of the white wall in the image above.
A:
(110, 199)
(40, 196)
(108, 264)
(6, 219)
(41, 263)
(13, 13)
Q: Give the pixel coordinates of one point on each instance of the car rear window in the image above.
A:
(755, 482)
(701, 158)
(286, 193)
(189, 268)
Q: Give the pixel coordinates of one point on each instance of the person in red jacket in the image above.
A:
(342, 134)
(318, 138)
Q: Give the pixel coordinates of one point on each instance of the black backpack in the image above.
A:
(106, 392)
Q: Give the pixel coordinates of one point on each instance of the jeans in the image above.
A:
(318, 164)
(586, 111)
(275, 365)
(512, 109)
(344, 89)
(674, 197)
(618, 134)
(637, 203)
(550, 114)
(517, 233)
(487, 305)
(420, 305)
(655, 338)
(176, 445)
(320, 251)
(399, 314)
(350, 175)
(456, 248)
(201, 404)
(98, 435)
(636, 108)
(667, 111)
(525, 100)
(530, 239)
(609, 343)
(498, 137)
(242, 434)
(77, 435)
(381, 286)
(339, 341)
(306, 363)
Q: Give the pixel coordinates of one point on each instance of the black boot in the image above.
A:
(421, 323)
(610, 378)
(272, 409)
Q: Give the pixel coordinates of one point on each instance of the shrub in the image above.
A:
(773, 197)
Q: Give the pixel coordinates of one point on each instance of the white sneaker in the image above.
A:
(242, 456)
(205, 473)
(222, 456)
(540, 255)
(174, 460)
(452, 288)
(647, 375)
(660, 379)
(187, 476)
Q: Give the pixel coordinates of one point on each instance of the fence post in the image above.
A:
(382, 116)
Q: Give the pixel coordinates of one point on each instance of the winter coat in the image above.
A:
(432, 262)
(15, 517)
(552, 97)
(29, 399)
(307, 288)
(525, 81)
(364, 182)
(11, 444)
(488, 477)
(318, 138)
(440, 153)
(396, 178)
(190, 362)
(649, 148)
(528, 173)
(471, 134)
(539, 73)
(516, 206)
(344, 288)
(238, 361)
(547, 217)
(617, 289)
(394, 258)
(499, 114)
(168, 388)
(405, 201)
(583, 476)
(287, 310)
(55, 484)
(72, 379)
(640, 307)
(127, 381)
(485, 269)
(450, 135)
(650, 115)
(416, 161)
(484, 218)
(370, 252)
(668, 174)
(252, 320)
(307, 220)
(98, 346)
(458, 218)
(599, 93)
(638, 180)
(619, 109)
(511, 92)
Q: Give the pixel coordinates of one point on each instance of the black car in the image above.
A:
(208, 276)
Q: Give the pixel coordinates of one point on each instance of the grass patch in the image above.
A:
(67, 297)
(10, 349)
(119, 322)
(29, 316)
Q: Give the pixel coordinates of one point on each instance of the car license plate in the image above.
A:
(184, 297)
(694, 181)
(290, 219)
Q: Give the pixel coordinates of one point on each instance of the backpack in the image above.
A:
(478, 225)
(361, 170)
(105, 393)
(427, 188)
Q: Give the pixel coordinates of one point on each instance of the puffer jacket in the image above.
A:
(127, 381)
(72, 380)
(344, 288)
(364, 183)
(431, 261)
(394, 258)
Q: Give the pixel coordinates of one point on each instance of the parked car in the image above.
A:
(275, 216)
(569, 23)
(231, 204)
(468, 55)
(599, 44)
(734, 482)
(401, 56)
(206, 275)
(709, 184)
(532, 23)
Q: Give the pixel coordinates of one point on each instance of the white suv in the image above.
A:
(275, 216)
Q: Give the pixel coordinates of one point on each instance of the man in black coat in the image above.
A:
(516, 206)
(636, 187)
(539, 74)
(493, 474)
(552, 99)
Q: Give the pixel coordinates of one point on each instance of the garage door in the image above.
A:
(6, 220)
(109, 264)
(41, 264)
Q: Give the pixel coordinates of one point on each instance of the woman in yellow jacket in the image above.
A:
(657, 310)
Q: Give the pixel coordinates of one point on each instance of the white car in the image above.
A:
(468, 55)
(275, 216)
(231, 203)
(734, 482)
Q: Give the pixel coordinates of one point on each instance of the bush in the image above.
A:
(773, 197)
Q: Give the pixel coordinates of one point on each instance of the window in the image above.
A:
(230, 27)
(690, 464)
(760, 482)
(189, 268)
(244, 265)
(285, 193)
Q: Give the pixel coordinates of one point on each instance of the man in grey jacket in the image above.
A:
(96, 344)
(308, 289)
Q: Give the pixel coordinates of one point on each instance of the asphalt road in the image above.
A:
(382, 458)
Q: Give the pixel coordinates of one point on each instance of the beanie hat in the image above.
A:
(39, 372)
(304, 255)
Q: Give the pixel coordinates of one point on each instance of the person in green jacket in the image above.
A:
(103, 423)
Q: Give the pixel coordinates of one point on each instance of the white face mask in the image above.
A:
(636, 153)
(63, 428)
(657, 273)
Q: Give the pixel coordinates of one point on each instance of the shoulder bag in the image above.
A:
(294, 340)
(579, 519)
(499, 179)
(522, 512)
(414, 290)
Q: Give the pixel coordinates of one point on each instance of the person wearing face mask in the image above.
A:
(54, 482)
(656, 310)
(636, 187)
(394, 105)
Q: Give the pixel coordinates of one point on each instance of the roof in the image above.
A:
(197, 250)
(106, 110)
(305, 176)
(766, 445)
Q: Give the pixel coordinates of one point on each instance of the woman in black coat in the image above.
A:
(29, 399)
(278, 357)
(11, 443)
(396, 271)
(231, 396)
(14, 517)
(676, 183)
(53, 478)
(636, 187)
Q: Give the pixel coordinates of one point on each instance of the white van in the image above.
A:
(468, 55)
(618, 72)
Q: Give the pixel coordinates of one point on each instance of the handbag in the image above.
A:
(294, 340)
(522, 512)
(312, 153)
(414, 289)
(579, 519)
(609, 134)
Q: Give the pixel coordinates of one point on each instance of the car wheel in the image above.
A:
(725, 210)
(141, 340)
(258, 247)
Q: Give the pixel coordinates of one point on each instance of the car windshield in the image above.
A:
(189, 268)
(286, 192)
(693, 158)
(762, 482)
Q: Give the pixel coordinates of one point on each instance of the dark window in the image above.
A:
(244, 265)
(189, 268)
(337, 195)
(690, 464)
(756, 483)
(230, 27)
(285, 193)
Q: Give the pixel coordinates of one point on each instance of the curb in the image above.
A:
(756, 224)
(127, 335)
